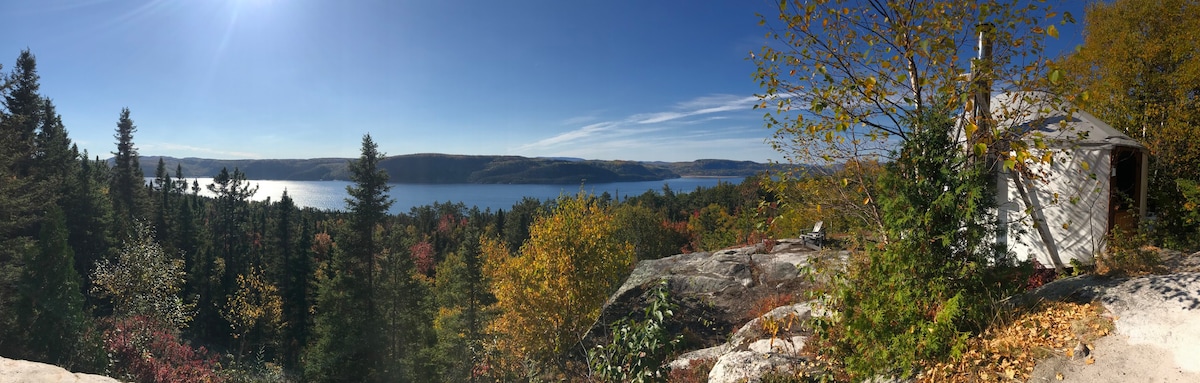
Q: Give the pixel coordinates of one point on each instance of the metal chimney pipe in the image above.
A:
(981, 75)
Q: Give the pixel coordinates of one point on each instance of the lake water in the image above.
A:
(332, 194)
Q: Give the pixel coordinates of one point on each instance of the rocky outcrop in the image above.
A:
(769, 343)
(1156, 335)
(717, 294)
(20, 371)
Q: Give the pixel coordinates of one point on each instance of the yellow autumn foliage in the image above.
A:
(550, 294)
(254, 306)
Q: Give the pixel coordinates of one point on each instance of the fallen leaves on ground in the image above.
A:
(1009, 351)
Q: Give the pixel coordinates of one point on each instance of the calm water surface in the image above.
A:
(332, 194)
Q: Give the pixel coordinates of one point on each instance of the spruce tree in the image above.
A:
(21, 197)
(463, 294)
(50, 309)
(232, 192)
(24, 106)
(291, 275)
(89, 217)
(163, 192)
(54, 158)
(347, 329)
(127, 189)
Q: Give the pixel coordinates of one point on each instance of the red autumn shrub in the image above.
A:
(146, 351)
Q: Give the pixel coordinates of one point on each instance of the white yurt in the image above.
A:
(1065, 210)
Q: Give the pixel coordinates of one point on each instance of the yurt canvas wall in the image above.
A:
(1065, 210)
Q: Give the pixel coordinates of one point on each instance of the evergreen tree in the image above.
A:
(232, 192)
(228, 256)
(368, 206)
(89, 217)
(20, 196)
(24, 106)
(163, 188)
(54, 157)
(50, 309)
(179, 186)
(407, 309)
(518, 220)
(292, 275)
(939, 275)
(347, 345)
(463, 294)
(127, 179)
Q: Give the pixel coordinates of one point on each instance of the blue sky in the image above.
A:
(631, 80)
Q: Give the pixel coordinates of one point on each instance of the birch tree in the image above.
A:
(839, 78)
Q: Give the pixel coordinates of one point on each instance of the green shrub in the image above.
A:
(1128, 253)
(935, 279)
(785, 377)
(638, 350)
(1178, 218)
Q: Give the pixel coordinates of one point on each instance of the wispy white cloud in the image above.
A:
(708, 123)
(699, 106)
(196, 150)
(580, 119)
(574, 135)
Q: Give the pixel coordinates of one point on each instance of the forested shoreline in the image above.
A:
(432, 168)
(101, 272)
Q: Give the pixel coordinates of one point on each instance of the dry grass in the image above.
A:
(770, 302)
(696, 372)
(1009, 351)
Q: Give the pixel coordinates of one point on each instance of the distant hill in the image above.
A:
(432, 168)
(718, 168)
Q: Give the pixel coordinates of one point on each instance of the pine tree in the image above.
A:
(217, 268)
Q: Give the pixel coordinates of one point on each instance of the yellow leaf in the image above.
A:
(1085, 165)
(1059, 376)
(1052, 31)
(1090, 360)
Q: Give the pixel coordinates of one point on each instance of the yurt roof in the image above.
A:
(1037, 112)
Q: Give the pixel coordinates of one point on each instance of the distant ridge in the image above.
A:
(433, 168)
